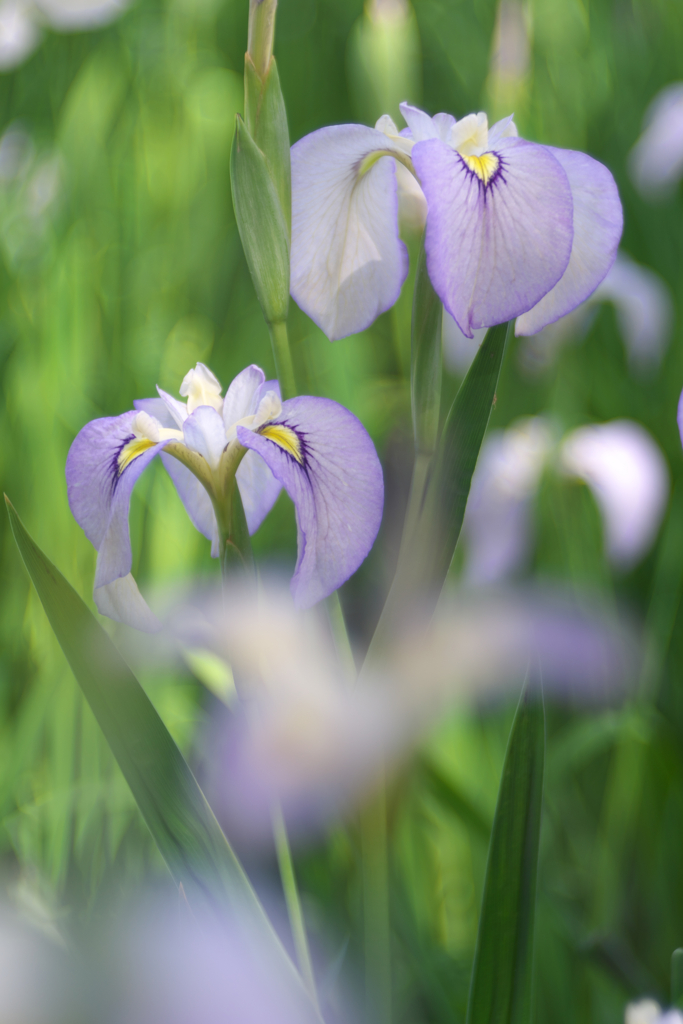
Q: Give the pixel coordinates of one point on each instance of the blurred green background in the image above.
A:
(121, 266)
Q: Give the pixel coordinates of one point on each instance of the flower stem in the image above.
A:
(284, 366)
(296, 917)
(377, 932)
(261, 33)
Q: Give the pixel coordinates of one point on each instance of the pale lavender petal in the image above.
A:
(503, 129)
(204, 432)
(99, 497)
(347, 260)
(157, 408)
(122, 601)
(656, 160)
(177, 410)
(443, 123)
(195, 499)
(240, 395)
(628, 475)
(422, 126)
(258, 489)
(338, 492)
(494, 250)
(598, 221)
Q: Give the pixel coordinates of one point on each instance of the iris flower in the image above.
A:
(514, 229)
(313, 447)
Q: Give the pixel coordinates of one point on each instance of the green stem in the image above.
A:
(373, 832)
(296, 917)
(261, 33)
(284, 366)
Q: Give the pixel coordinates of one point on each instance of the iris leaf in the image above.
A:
(500, 991)
(183, 825)
(456, 457)
(425, 369)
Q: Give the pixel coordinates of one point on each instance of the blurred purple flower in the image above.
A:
(313, 447)
(647, 1011)
(619, 461)
(656, 160)
(514, 229)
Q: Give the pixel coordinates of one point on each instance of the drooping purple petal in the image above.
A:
(99, 496)
(337, 490)
(122, 601)
(598, 221)
(347, 260)
(495, 249)
(195, 499)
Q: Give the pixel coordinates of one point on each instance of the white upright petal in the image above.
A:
(421, 125)
(123, 602)
(629, 477)
(347, 260)
(239, 397)
(205, 433)
(177, 410)
(201, 387)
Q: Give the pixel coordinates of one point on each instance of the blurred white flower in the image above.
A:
(629, 477)
(656, 160)
(21, 22)
(647, 1011)
(619, 461)
(644, 312)
(19, 34)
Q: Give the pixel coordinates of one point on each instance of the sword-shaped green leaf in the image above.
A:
(500, 991)
(183, 825)
(425, 363)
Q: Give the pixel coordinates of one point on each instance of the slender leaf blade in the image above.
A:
(183, 825)
(456, 458)
(500, 991)
(425, 369)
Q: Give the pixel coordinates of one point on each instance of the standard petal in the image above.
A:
(348, 262)
(337, 489)
(99, 494)
(159, 409)
(494, 249)
(597, 221)
(239, 399)
(422, 126)
(122, 601)
(177, 410)
(258, 489)
(204, 432)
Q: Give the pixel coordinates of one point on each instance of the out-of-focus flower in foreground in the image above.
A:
(619, 461)
(647, 1011)
(514, 229)
(313, 447)
(302, 735)
(656, 160)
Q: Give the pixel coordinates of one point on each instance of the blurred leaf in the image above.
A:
(189, 837)
(451, 796)
(502, 973)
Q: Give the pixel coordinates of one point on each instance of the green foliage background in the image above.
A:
(129, 269)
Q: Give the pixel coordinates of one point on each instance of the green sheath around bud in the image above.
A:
(266, 120)
(261, 224)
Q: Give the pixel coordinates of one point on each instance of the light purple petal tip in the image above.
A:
(494, 250)
(598, 221)
(240, 395)
(338, 492)
(347, 261)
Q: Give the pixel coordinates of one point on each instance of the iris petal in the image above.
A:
(338, 492)
(348, 263)
(494, 250)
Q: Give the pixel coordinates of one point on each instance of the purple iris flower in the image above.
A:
(514, 229)
(313, 447)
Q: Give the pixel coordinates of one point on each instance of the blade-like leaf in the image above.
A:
(463, 433)
(500, 991)
(182, 823)
(425, 369)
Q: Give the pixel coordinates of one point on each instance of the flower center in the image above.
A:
(131, 450)
(484, 166)
(285, 438)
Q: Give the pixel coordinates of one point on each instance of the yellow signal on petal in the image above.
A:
(131, 451)
(484, 166)
(285, 438)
